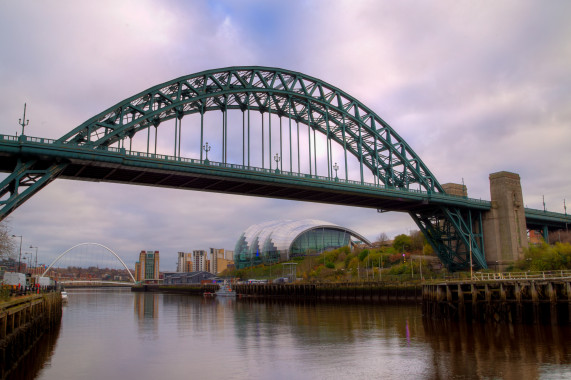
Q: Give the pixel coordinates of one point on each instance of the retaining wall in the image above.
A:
(23, 321)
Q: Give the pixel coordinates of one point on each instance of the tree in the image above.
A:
(7, 245)
(418, 240)
(402, 242)
(382, 239)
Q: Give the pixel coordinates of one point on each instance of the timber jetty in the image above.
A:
(512, 301)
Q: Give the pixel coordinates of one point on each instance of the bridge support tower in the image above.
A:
(505, 232)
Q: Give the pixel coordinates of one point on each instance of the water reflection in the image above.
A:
(38, 358)
(147, 313)
(118, 334)
(489, 351)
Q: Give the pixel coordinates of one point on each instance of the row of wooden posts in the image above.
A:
(23, 321)
(518, 301)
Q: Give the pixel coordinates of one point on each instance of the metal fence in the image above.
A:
(545, 275)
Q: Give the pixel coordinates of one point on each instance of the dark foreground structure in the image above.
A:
(513, 301)
(23, 322)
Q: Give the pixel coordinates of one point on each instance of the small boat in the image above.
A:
(225, 291)
(64, 296)
(208, 294)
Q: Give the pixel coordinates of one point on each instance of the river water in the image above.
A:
(115, 334)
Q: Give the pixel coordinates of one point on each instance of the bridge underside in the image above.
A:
(436, 217)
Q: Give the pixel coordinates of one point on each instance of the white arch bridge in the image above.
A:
(99, 245)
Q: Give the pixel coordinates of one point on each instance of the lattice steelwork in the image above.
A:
(289, 95)
(326, 109)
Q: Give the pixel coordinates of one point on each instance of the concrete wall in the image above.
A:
(505, 233)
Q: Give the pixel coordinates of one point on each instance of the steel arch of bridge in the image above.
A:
(97, 244)
(307, 100)
(324, 108)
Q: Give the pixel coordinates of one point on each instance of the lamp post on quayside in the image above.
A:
(20, 256)
(36, 260)
(28, 257)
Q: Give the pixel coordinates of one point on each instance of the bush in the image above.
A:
(546, 257)
(400, 269)
(364, 253)
(330, 265)
(348, 259)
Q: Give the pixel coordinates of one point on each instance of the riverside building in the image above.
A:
(276, 241)
(147, 268)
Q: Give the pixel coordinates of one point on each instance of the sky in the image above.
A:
(473, 87)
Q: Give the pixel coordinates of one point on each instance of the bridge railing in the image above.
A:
(543, 213)
(545, 275)
(164, 157)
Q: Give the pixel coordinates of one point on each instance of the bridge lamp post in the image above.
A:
(206, 148)
(23, 122)
(336, 167)
(277, 159)
(36, 259)
(20, 256)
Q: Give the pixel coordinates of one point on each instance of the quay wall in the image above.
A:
(367, 291)
(513, 301)
(373, 292)
(23, 321)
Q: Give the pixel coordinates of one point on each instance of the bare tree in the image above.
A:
(382, 239)
(417, 240)
(7, 245)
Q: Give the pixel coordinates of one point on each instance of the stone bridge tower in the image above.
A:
(505, 232)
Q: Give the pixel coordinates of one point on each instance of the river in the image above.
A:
(115, 334)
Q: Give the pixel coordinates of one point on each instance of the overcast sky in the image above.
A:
(473, 87)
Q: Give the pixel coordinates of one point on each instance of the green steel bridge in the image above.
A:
(313, 122)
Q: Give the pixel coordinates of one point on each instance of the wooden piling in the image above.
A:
(23, 321)
(507, 301)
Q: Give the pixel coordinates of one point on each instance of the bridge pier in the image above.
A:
(505, 231)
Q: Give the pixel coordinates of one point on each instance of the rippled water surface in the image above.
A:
(116, 334)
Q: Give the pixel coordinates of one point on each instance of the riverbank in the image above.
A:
(23, 321)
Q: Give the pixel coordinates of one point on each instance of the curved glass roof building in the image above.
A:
(276, 241)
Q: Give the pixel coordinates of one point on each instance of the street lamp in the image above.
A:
(336, 167)
(277, 159)
(27, 260)
(36, 260)
(23, 122)
(206, 148)
(20, 256)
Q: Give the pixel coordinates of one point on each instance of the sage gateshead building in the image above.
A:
(276, 241)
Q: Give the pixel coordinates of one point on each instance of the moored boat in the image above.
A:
(225, 291)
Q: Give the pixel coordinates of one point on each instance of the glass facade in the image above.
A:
(275, 241)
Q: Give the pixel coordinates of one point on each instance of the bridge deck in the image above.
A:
(121, 166)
